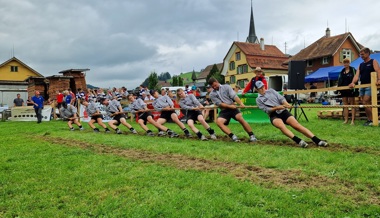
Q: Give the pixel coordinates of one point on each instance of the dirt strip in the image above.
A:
(269, 178)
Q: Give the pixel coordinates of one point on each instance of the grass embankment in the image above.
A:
(48, 171)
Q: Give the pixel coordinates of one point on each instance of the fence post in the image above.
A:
(375, 115)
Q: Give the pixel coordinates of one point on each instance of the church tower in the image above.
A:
(252, 38)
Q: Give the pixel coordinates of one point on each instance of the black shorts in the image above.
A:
(283, 116)
(193, 115)
(96, 117)
(347, 93)
(144, 116)
(167, 115)
(228, 114)
(117, 118)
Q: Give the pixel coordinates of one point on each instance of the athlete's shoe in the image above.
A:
(323, 144)
(134, 131)
(235, 138)
(252, 138)
(161, 133)
(303, 144)
(174, 135)
(213, 136)
(118, 131)
(203, 138)
(150, 134)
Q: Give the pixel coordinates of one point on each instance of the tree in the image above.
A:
(175, 81)
(153, 80)
(180, 81)
(214, 72)
(193, 76)
(164, 76)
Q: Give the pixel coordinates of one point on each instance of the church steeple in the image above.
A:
(252, 38)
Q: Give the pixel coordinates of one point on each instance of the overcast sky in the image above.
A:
(123, 41)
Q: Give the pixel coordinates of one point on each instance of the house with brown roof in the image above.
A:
(328, 51)
(243, 57)
(205, 72)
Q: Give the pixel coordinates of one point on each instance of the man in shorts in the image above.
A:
(96, 117)
(225, 97)
(115, 111)
(69, 113)
(276, 106)
(364, 73)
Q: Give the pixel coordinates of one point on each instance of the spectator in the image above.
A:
(38, 102)
(59, 99)
(259, 77)
(348, 95)
(18, 102)
(364, 73)
(312, 96)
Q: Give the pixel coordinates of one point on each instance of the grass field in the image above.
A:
(48, 171)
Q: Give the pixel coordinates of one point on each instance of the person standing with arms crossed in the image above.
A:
(38, 105)
(364, 72)
(225, 97)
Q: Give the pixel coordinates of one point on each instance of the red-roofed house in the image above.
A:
(328, 51)
(243, 57)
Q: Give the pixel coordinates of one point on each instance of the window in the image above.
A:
(325, 60)
(232, 79)
(232, 65)
(309, 63)
(308, 72)
(242, 69)
(242, 83)
(14, 68)
(237, 56)
(346, 53)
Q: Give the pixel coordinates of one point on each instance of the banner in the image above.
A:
(27, 113)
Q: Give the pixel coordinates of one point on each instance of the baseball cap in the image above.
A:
(208, 86)
(259, 84)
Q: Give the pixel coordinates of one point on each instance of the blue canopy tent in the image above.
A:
(335, 73)
(322, 74)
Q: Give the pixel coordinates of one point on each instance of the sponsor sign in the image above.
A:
(27, 113)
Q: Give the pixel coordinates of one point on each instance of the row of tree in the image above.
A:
(152, 81)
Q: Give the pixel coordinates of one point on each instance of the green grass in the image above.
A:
(186, 77)
(48, 171)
